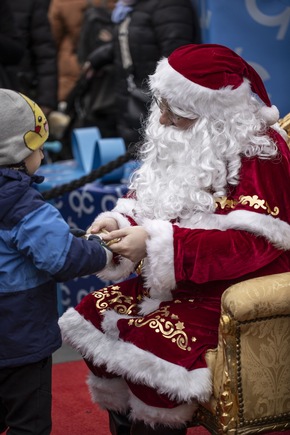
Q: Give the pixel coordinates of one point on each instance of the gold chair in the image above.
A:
(285, 124)
(251, 365)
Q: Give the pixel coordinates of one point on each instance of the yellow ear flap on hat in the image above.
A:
(34, 139)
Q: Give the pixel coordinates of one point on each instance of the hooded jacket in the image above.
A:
(36, 250)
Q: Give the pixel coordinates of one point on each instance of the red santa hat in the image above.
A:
(204, 69)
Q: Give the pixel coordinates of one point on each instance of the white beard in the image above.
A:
(172, 182)
(183, 171)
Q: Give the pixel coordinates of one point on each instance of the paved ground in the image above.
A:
(65, 354)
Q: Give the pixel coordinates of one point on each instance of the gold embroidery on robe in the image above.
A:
(162, 324)
(122, 304)
(253, 201)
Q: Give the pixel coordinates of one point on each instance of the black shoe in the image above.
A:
(119, 424)
(140, 428)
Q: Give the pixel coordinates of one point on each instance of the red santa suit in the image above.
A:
(145, 339)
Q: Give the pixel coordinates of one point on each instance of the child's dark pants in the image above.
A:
(25, 398)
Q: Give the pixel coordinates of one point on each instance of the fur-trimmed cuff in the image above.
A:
(126, 206)
(122, 221)
(158, 266)
(116, 271)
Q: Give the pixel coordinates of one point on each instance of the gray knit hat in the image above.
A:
(23, 127)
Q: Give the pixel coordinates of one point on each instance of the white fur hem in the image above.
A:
(114, 394)
(158, 269)
(109, 393)
(126, 360)
(174, 417)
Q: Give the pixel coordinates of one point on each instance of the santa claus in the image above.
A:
(208, 207)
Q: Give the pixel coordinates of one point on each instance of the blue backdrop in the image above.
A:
(258, 30)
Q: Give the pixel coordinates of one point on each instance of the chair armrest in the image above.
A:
(250, 365)
(251, 374)
(259, 297)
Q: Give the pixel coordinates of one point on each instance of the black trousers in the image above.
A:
(25, 398)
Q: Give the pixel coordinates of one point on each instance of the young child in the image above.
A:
(36, 251)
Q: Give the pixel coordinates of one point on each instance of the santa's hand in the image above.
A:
(132, 244)
(108, 224)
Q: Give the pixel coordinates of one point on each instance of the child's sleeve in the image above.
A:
(44, 237)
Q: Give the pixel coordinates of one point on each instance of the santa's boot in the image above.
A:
(140, 428)
(119, 423)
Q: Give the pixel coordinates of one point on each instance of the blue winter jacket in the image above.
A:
(36, 250)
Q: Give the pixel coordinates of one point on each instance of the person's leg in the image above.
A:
(119, 423)
(140, 428)
(3, 412)
(26, 393)
(103, 388)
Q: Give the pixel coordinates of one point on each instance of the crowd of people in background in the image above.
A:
(42, 60)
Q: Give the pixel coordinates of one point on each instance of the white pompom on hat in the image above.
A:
(24, 127)
(209, 73)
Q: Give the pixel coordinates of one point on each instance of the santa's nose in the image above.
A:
(164, 119)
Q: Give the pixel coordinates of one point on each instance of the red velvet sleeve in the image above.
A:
(208, 255)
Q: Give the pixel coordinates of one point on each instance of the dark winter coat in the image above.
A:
(11, 46)
(37, 74)
(157, 27)
(66, 18)
(36, 250)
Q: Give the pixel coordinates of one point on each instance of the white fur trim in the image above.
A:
(174, 417)
(281, 131)
(114, 394)
(109, 323)
(120, 219)
(121, 271)
(273, 229)
(117, 272)
(112, 271)
(197, 99)
(126, 206)
(148, 305)
(270, 114)
(109, 393)
(128, 361)
(158, 269)
(109, 255)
